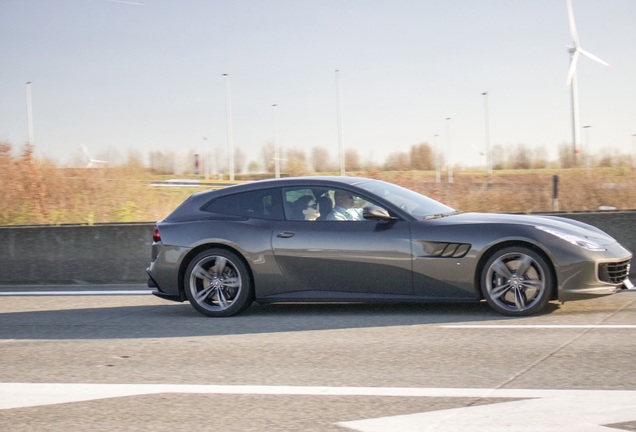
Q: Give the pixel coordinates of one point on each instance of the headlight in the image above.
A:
(574, 239)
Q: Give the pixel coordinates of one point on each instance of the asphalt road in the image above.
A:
(135, 362)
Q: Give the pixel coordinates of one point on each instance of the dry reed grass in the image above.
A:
(35, 192)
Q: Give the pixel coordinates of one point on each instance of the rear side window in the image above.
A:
(261, 204)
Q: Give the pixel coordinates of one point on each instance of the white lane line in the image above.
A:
(74, 293)
(15, 395)
(539, 326)
(47, 393)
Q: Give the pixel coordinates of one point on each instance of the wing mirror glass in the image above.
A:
(373, 212)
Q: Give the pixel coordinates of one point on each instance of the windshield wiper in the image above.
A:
(441, 215)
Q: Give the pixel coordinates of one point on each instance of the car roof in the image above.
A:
(196, 200)
(285, 182)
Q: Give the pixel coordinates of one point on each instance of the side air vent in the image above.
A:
(445, 250)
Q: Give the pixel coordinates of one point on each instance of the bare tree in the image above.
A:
(134, 159)
(239, 160)
(162, 163)
(566, 156)
(268, 157)
(497, 155)
(539, 158)
(422, 157)
(398, 161)
(520, 157)
(352, 160)
(296, 163)
(320, 159)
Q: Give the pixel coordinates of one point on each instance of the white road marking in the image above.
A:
(15, 395)
(74, 293)
(539, 326)
(544, 410)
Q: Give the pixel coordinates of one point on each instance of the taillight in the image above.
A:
(156, 237)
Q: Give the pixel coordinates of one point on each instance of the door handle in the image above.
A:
(285, 234)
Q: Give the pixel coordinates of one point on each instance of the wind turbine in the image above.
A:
(575, 52)
(91, 161)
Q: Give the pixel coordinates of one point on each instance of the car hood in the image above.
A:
(569, 226)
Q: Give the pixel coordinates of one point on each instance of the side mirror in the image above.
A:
(373, 212)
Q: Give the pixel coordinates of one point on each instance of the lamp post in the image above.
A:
(230, 133)
(487, 131)
(30, 115)
(205, 155)
(633, 153)
(588, 146)
(276, 149)
(340, 137)
(449, 165)
(438, 175)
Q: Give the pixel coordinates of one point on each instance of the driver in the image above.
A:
(343, 210)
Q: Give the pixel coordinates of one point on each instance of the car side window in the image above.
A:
(260, 204)
(300, 204)
(346, 206)
(319, 203)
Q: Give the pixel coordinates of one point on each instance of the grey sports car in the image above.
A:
(347, 239)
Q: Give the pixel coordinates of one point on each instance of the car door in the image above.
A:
(354, 257)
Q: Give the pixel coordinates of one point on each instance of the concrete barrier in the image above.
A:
(75, 254)
(120, 253)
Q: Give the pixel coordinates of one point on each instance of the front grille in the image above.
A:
(613, 273)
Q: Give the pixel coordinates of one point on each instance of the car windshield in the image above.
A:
(415, 204)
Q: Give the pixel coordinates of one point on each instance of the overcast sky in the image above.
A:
(147, 74)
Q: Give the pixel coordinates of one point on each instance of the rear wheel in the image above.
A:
(218, 284)
(517, 281)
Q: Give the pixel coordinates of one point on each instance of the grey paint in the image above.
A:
(120, 253)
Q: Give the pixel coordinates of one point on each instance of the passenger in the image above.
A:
(343, 210)
(305, 208)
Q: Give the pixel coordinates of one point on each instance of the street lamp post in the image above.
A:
(633, 153)
(487, 131)
(230, 133)
(449, 164)
(438, 175)
(588, 146)
(30, 115)
(276, 149)
(340, 137)
(206, 159)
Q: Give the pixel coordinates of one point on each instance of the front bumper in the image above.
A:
(603, 275)
(627, 286)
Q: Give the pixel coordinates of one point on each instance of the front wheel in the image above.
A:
(517, 281)
(218, 284)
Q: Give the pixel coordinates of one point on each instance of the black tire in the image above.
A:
(218, 284)
(516, 281)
